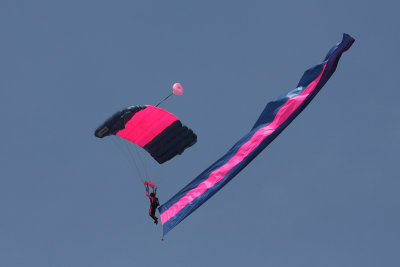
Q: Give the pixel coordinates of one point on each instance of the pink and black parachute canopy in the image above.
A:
(156, 130)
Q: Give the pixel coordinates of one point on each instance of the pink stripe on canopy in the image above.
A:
(146, 124)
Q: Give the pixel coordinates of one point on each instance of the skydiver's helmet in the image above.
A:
(152, 194)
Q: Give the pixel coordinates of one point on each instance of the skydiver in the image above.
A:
(153, 203)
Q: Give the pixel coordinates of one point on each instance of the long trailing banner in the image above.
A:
(276, 116)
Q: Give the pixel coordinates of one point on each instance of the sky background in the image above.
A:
(324, 193)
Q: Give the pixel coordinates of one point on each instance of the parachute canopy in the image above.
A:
(156, 130)
(276, 116)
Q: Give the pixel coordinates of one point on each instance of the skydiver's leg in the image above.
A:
(152, 214)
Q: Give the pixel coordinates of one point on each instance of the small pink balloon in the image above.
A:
(177, 89)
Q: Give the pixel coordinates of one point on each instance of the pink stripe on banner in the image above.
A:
(283, 114)
(146, 124)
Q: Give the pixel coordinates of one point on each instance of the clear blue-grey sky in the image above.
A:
(324, 193)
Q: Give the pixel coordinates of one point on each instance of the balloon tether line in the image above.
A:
(164, 99)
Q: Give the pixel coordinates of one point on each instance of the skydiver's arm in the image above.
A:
(147, 195)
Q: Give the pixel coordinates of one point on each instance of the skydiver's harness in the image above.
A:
(152, 196)
(153, 200)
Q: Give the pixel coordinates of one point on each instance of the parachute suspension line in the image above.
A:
(150, 167)
(142, 161)
(154, 167)
(152, 172)
(121, 149)
(131, 159)
(125, 150)
(164, 99)
(137, 162)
